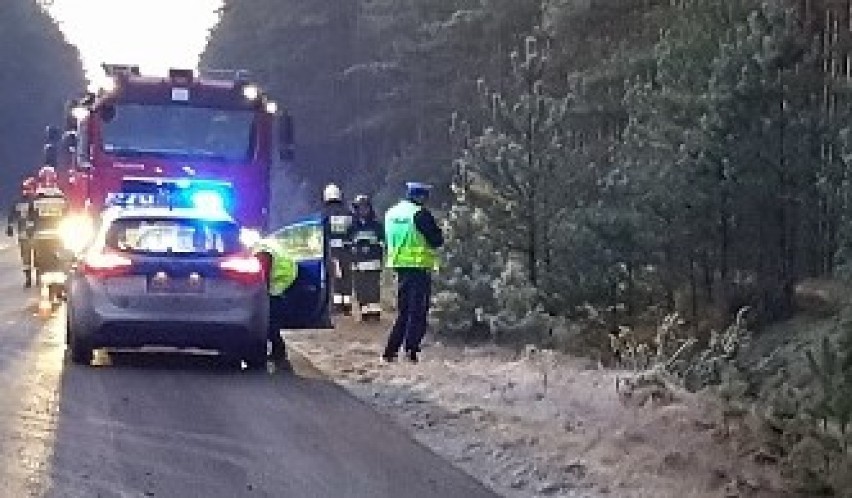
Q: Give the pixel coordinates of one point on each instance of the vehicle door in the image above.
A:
(307, 300)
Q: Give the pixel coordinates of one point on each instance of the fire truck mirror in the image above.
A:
(51, 157)
(106, 113)
(52, 135)
(69, 140)
(286, 140)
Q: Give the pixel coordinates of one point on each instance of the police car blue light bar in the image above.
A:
(213, 196)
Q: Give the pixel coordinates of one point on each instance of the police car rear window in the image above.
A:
(188, 237)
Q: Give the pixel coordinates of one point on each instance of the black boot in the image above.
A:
(28, 279)
(278, 350)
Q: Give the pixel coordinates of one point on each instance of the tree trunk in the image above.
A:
(708, 277)
(693, 288)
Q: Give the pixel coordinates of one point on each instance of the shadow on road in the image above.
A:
(203, 363)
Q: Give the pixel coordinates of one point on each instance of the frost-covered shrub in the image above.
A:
(464, 286)
(520, 318)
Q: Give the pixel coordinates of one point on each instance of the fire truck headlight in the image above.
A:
(76, 232)
(249, 236)
(208, 201)
(271, 107)
(251, 92)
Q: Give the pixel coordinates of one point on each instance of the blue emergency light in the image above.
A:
(210, 196)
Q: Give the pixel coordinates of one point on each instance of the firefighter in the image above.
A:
(366, 242)
(412, 239)
(50, 207)
(281, 271)
(339, 220)
(21, 217)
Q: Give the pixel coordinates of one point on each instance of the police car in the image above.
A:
(175, 277)
(169, 267)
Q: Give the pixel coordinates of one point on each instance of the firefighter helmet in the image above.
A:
(332, 193)
(362, 200)
(47, 177)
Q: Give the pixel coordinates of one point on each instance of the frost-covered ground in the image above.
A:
(538, 424)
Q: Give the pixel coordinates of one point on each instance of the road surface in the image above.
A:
(170, 426)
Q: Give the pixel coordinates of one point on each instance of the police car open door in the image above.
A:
(307, 300)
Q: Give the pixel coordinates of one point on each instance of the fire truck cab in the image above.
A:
(211, 125)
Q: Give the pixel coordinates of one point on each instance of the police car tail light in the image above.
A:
(245, 269)
(105, 264)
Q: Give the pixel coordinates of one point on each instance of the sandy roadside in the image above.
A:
(542, 424)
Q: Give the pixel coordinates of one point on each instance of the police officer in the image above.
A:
(281, 271)
(339, 220)
(50, 207)
(21, 217)
(366, 241)
(412, 237)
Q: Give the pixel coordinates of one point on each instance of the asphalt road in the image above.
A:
(177, 426)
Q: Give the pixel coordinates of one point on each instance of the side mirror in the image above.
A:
(52, 134)
(51, 155)
(69, 139)
(286, 140)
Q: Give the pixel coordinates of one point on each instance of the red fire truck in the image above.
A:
(214, 125)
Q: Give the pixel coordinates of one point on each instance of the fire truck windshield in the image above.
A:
(220, 135)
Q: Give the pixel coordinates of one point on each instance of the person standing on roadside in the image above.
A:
(412, 238)
(339, 220)
(366, 238)
(281, 272)
(21, 220)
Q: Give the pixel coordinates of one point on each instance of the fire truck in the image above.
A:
(206, 125)
(215, 135)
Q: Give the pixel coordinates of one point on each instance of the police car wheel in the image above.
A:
(255, 358)
(81, 353)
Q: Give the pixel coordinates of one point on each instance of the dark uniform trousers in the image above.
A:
(413, 295)
(26, 246)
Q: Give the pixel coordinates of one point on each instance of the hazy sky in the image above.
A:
(155, 34)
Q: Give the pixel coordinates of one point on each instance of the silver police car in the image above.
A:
(175, 278)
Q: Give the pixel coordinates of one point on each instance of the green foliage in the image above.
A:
(40, 71)
(832, 366)
(630, 156)
(370, 83)
(465, 294)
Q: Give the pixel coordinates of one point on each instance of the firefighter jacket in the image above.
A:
(339, 221)
(22, 217)
(49, 208)
(282, 271)
(366, 239)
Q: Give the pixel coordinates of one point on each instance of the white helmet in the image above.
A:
(332, 193)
